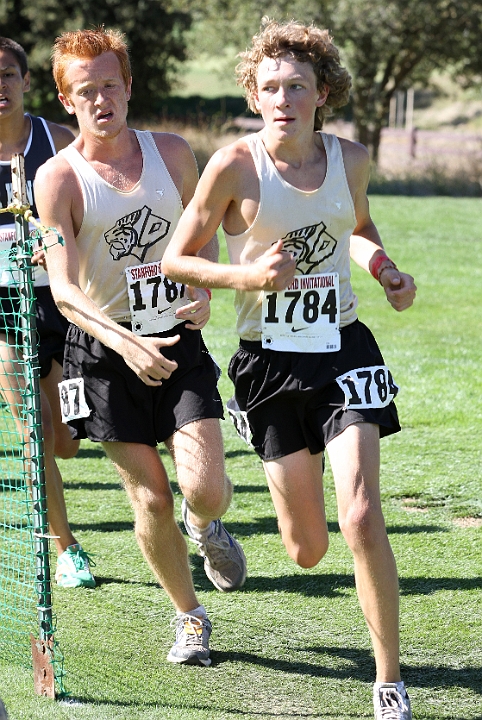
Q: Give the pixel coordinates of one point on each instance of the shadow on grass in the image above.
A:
(427, 585)
(242, 453)
(85, 485)
(123, 581)
(260, 526)
(332, 585)
(215, 711)
(415, 529)
(441, 676)
(90, 452)
(12, 452)
(250, 489)
(269, 526)
(358, 665)
(109, 485)
(361, 667)
(335, 584)
(9, 484)
(106, 527)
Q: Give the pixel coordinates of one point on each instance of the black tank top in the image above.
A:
(39, 149)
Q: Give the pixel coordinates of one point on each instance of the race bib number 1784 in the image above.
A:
(368, 387)
(305, 317)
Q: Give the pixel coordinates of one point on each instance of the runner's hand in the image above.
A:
(197, 313)
(143, 356)
(39, 258)
(399, 287)
(274, 269)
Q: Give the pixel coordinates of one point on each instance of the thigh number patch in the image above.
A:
(368, 387)
(73, 404)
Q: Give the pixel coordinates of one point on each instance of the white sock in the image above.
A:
(199, 532)
(199, 612)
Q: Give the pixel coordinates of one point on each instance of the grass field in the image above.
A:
(293, 643)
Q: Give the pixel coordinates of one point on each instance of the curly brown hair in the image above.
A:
(88, 44)
(305, 43)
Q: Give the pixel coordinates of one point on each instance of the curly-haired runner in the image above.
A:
(307, 45)
(308, 373)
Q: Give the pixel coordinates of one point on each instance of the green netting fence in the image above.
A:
(27, 632)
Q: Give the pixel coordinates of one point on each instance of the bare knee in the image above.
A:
(305, 552)
(209, 498)
(152, 505)
(66, 448)
(363, 527)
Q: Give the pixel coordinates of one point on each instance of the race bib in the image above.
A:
(73, 404)
(153, 299)
(305, 317)
(368, 387)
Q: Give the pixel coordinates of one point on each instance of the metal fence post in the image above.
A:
(42, 648)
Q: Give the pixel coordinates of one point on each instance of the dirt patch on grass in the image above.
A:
(468, 522)
(421, 503)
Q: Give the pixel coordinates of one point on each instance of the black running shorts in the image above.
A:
(293, 400)
(51, 325)
(123, 408)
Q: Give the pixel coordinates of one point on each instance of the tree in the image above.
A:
(392, 45)
(155, 33)
(387, 45)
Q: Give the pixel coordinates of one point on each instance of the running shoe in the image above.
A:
(73, 568)
(224, 559)
(391, 702)
(192, 640)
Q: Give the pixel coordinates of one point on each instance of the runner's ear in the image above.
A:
(322, 96)
(26, 82)
(129, 89)
(64, 99)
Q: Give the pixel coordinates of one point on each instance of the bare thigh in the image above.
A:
(296, 485)
(11, 376)
(355, 461)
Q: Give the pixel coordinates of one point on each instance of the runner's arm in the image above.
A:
(366, 247)
(182, 261)
(61, 137)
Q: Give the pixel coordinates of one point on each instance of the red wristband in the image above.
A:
(375, 267)
(208, 292)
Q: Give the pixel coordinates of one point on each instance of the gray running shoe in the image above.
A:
(192, 640)
(391, 704)
(224, 559)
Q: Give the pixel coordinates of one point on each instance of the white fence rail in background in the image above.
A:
(420, 143)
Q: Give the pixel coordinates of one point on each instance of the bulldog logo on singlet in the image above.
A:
(310, 246)
(135, 233)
